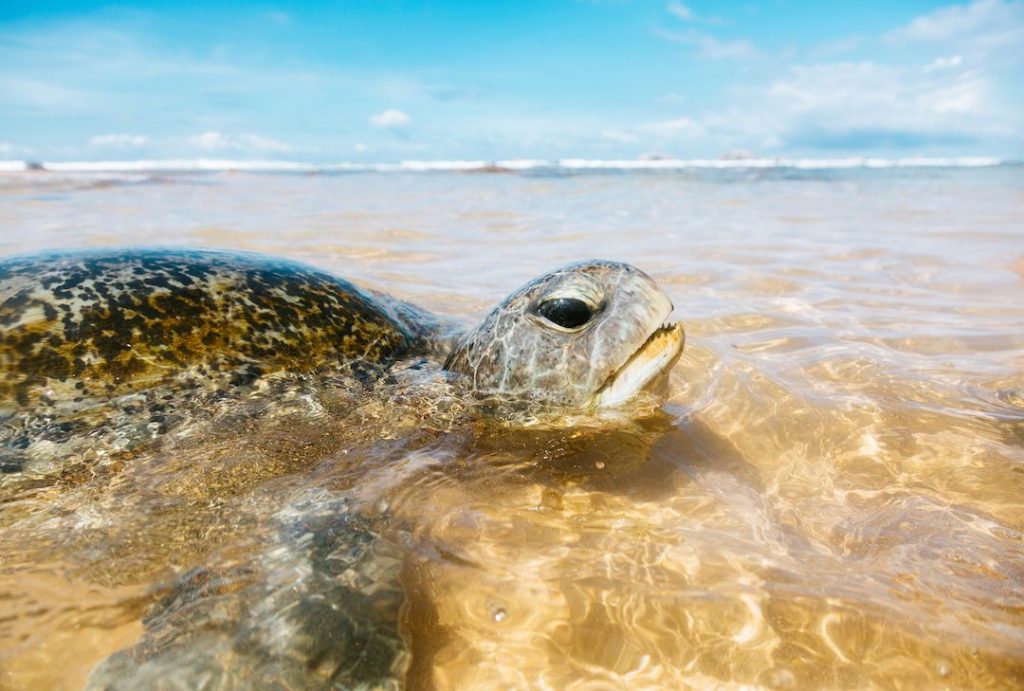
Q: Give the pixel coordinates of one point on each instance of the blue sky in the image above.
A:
(389, 80)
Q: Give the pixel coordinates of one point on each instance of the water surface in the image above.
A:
(833, 496)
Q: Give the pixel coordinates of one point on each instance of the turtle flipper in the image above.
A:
(319, 610)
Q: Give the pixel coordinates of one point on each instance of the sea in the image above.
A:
(832, 495)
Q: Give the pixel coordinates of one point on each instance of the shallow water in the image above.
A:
(833, 496)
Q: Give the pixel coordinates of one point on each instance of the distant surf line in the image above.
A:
(498, 166)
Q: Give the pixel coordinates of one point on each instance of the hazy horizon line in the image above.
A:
(501, 165)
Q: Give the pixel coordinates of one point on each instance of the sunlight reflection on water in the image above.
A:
(834, 496)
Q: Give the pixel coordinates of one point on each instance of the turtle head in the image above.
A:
(586, 336)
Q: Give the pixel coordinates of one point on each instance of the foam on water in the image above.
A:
(801, 163)
(567, 164)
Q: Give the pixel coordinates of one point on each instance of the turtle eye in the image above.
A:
(568, 313)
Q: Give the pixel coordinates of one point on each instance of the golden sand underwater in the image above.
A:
(833, 496)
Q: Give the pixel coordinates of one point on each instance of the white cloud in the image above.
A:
(860, 93)
(216, 141)
(709, 46)
(856, 106)
(678, 9)
(944, 63)
(619, 136)
(837, 46)
(390, 119)
(6, 148)
(962, 96)
(119, 141)
(962, 20)
(686, 13)
(42, 94)
(646, 132)
(361, 147)
(210, 141)
(958, 99)
(980, 29)
(673, 128)
(870, 105)
(670, 99)
(257, 142)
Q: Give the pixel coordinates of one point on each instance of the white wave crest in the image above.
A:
(800, 163)
(568, 164)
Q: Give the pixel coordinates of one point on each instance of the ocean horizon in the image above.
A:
(504, 165)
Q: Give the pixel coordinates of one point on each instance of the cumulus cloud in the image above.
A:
(216, 141)
(256, 142)
(119, 141)
(210, 141)
(855, 106)
(685, 13)
(676, 127)
(661, 130)
(959, 98)
(859, 92)
(981, 28)
(961, 20)
(709, 46)
(678, 9)
(865, 105)
(837, 46)
(945, 63)
(390, 119)
(619, 136)
(43, 94)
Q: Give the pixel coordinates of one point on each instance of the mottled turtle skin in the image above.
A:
(517, 353)
(321, 613)
(83, 331)
(108, 323)
(96, 343)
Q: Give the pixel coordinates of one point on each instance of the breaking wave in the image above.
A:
(514, 165)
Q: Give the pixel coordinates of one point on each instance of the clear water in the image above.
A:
(833, 496)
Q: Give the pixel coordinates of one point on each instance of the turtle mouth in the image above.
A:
(655, 355)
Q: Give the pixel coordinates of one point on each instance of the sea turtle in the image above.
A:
(104, 353)
(81, 331)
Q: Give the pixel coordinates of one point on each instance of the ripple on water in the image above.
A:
(834, 497)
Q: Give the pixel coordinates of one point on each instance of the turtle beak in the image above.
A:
(656, 355)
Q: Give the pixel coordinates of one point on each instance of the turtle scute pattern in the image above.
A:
(100, 350)
(75, 325)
